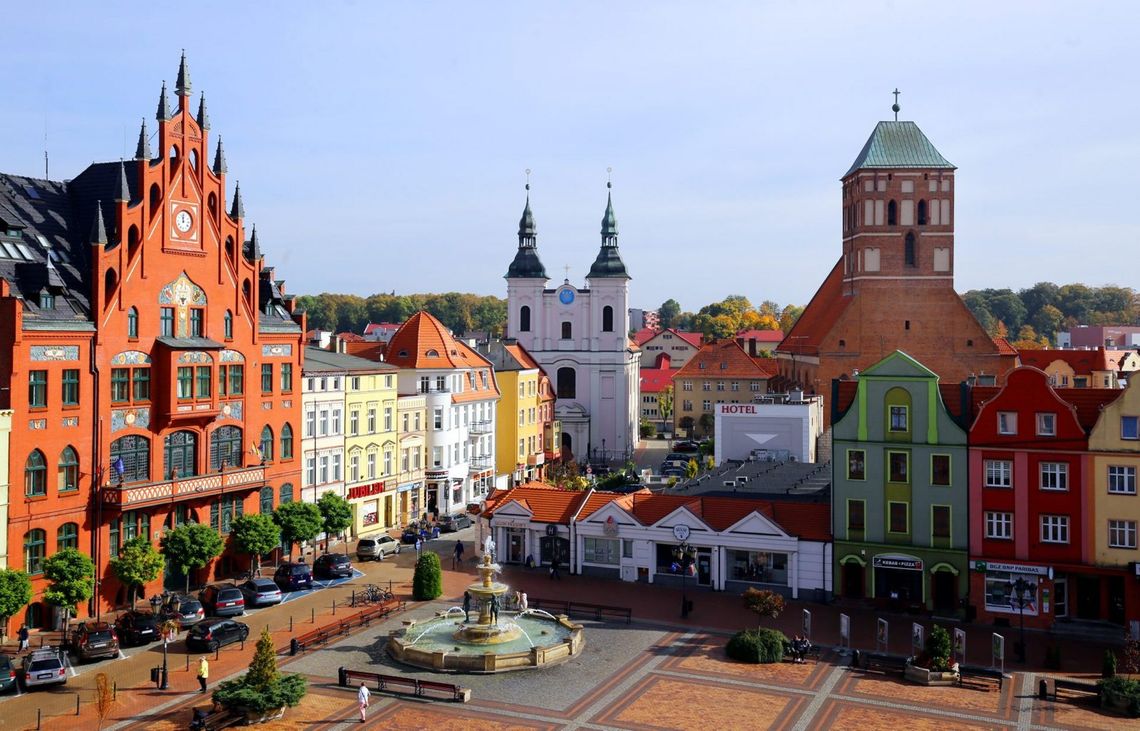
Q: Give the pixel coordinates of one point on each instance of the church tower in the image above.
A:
(526, 279)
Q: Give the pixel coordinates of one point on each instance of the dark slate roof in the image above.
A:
(317, 360)
(608, 263)
(190, 343)
(526, 265)
(898, 145)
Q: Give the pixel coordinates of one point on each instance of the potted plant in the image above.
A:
(933, 666)
(263, 693)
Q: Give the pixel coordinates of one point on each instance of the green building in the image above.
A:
(900, 486)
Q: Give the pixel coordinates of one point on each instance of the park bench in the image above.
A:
(879, 661)
(1054, 685)
(209, 720)
(572, 608)
(335, 629)
(977, 672)
(401, 684)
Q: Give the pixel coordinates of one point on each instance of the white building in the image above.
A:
(322, 436)
(461, 396)
(579, 335)
(779, 427)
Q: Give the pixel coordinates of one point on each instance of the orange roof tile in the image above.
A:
(762, 336)
(423, 342)
(726, 359)
(365, 349)
(820, 315)
(548, 504)
(1004, 348)
(1081, 361)
(349, 337)
(644, 334)
(656, 380)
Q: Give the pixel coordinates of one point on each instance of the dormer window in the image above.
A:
(47, 300)
(1046, 425)
(1007, 422)
(432, 353)
(701, 365)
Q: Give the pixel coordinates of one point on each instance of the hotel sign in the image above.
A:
(737, 408)
(360, 491)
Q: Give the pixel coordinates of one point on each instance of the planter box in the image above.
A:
(930, 677)
(254, 717)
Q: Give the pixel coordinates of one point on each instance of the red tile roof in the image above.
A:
(423, 342)
(1004, 348)
(365, 349)
(547, 503)
(644, 334)
(656, 380)
(762, 336)
(820, 315)
(1087, 402)
(1082, 362)
(811, 521)
(641, 337)
(726, 359)
(375, 327)
(348, 337)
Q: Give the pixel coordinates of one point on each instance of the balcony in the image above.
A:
(479, 464)
(136, 495)
(535, 459)
(480, 427)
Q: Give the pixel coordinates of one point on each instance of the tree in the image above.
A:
(667, 312)
(763, 602)
(1047, 321)
(104, 697)
(336, 516)
(566, 476)
(298, 521)
(646, 429)
(427, 581)
(263, 689)
(15, 593)
(137, 564)
(190, 547)
(691, 468)
(665, 406)
(707, 423)
(72, 577)
(257, 535)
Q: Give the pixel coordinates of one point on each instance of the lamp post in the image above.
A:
(685, 556)
(1020, 590)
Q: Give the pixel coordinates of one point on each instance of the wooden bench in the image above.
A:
(572, 608)
(459, 695)
(981, 673)
(879, 661)
(401, 684)
(204, 720)
(1053, 685)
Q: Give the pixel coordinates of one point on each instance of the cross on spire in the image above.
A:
(895, 107)
(567, 268)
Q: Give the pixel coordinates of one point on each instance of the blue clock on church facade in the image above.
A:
(566, 296)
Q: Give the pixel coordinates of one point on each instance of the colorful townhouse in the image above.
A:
(899, 508)
(719, 373)
(322, 436)
(1091, 368)
(370, 439)
(411, 410)
(150, 356)
(1032, 502)
(519, 426)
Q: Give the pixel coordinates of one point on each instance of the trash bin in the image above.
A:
(1043, 689)
(155, 674)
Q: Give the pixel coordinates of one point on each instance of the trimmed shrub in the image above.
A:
(1121, 688)
(757, 646)
(427, 582)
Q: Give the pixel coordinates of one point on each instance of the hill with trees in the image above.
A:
(729, 316)
(1031, 317)
(459, 311)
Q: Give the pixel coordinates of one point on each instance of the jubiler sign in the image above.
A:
(365, 490)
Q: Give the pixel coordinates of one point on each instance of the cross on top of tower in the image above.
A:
(567, 269)
(895, 107)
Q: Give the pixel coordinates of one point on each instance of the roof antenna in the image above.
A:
(895, 107)
(528, 181)
(46, 175)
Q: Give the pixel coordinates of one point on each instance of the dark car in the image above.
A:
(222, 601)
(260, 592)
(188, 613)
(333, 566)
(138, 628)
(409, 535)
(7, 674)
(293, 576)
(452, 523)
(94, 640)
(211, 634)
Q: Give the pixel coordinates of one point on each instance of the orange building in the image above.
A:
(154, 370)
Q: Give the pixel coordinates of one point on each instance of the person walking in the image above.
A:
(362, 698)
(419, 545)
(554, 569)
(203, 673)
(22, 635)
(458, 561)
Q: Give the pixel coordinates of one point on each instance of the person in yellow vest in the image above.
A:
(203, 673)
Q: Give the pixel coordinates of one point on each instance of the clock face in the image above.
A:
(566, 296)
(183, 221)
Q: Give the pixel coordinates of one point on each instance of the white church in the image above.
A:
(580, 336)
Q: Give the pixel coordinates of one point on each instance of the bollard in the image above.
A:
(293, 646)
(342, 677)
(242, 644)
(334, 607)
(354, 598)
(313, 615)
(38, 712)
(1043, 689)
(115, 691)
(290, 624)
(187, 660)
(217, 653)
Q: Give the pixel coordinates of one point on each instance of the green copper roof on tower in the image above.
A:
(898, 145)
(608, 263)
(526, 264)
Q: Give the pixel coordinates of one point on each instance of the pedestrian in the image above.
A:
(419, 545)
(362, 697)
(23, 637)
(458, 555)
(466, 606)
(554, 569)
(203, 673)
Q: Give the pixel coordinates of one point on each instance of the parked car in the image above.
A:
(376, 547)
(94, 640)
(208, 636)
(673, 472)
(452, 523)
(138, 628)
(190, 611)
(222, 601)
(293, 576)
(409, 535)
(44, 667)
(686, 446)
(333, 566)
(475, 508)
(260, 592)
(8, 679)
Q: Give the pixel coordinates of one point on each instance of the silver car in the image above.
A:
(45, 666)
(260, 592)
(376, 547)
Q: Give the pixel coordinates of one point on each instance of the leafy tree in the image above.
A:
(567, 476)
(72, 577)
(665, 404)
(691, 468)
(667, 312)
(137, 564)
(707, 423)
(298, 521)
(789, 315)
(336, 516)
(15, 593)
(762, 645)
(1040, 295)
(1047, 321)
(427, 581)
(257, 535)
(190, 547)
(647, 429)
(763, 602)
(263, 689)
(938, 649)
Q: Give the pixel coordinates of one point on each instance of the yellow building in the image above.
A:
(411, 502)
(519, 453)
(5, 435)
(370, 439)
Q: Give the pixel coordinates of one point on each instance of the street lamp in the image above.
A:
(1021, 589)
(685, 556)
(164, 627)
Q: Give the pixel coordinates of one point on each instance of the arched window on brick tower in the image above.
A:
(892, 213)
(910, 253)
(922, 213)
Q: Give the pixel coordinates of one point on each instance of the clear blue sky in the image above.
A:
(381, 146)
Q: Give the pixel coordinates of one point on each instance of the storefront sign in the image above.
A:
(737, 409)
(436, 474)
(499, 523)
(1011, 568)
(551, 530)
(360, 491)
(408, 487)
(681, 532)
(906, 563)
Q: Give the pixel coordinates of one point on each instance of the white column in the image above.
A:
(794, 561)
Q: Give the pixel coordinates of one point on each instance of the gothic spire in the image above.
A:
(526, 264)
(237, 210)
(163, 112)
(142, 152)
(609, 221)
(254, 247)
(608, 263)
(124, 191)
(182, 86)
(203, 117)
(98, 230)
(219, 159)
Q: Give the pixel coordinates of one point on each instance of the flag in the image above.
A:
(118, 466)
(255, 450)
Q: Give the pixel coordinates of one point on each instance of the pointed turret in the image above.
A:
(182, 86)
(124, 190)
(526, 264)
(253, 253)
(142, 152)
(608, 263)
(203, 117)
(219, 159)
(163, 112)
(237, 210)
(98, 230)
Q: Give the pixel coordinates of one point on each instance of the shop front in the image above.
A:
(901, 579)
(1003, 592)
(373, 507)
(409, 502)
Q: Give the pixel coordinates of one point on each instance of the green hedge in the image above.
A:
(1122, 687)
(427, 582)
(757, 646)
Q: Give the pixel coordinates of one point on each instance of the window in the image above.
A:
(287, 442)
(286, 378)
(68, 470)
(371, 464)
(286, 493)
(1122, 534)
(856, 515)
(856, 464)
(437, 418)
(706, 385)
(524, 319)
(266, 444)
(1130, 427)
(267, 378)
(720, 384)
(387, 461)
(67, 536)
(1007, 422)
(922, 213)
(141, 382)
(607, 319)
(910, 253)
(600, 550)
(197, 322)
(133, 323)
(34, 549)
(265, 504)
(185, 382)
(897, 517)
(940, 469)
(686, 385)
(567, 382)
(1054, 476)
(940, 521)
(566, 330)
(225, 448)
(686, 405)
(237, 379)
(898, 419)
(706, 405)
(999, 473)
(166, 322)
(1054, 529)
(223, 511)
(371, 419)
(898, 463)
(205, 376)
(130, 459)
(387, 418)
(120, 385)
(1046, 425)
(35, 474)
(892, 213)
(999, 526)
(180, 455)
(1121, 480)
(228, 325)
(311, 470)
(37, 389)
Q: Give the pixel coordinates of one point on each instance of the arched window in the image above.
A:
(266, 502)
(286, 442)
(68, 470)
(567, 330)
(110, 282)
(130, 459)
(132, 241)
(524, 319)
(567, 382)
(230, 248)
(67, 536)
(35, 474)
(228, 324)
(225, 447)
(607, 319)
(892, 213)
(180, 455)
(910, 255)
(133, 323)
(194, 159)
(286, 493)
(922, 213)
(267, 444)
(212, 206)
(897, 409)
(155, 199)
(247, 292)
(35, 546)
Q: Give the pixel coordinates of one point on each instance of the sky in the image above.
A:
(382, 146)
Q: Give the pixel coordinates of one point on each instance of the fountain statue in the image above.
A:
(485, 594)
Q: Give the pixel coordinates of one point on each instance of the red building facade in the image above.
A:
(148, 337)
